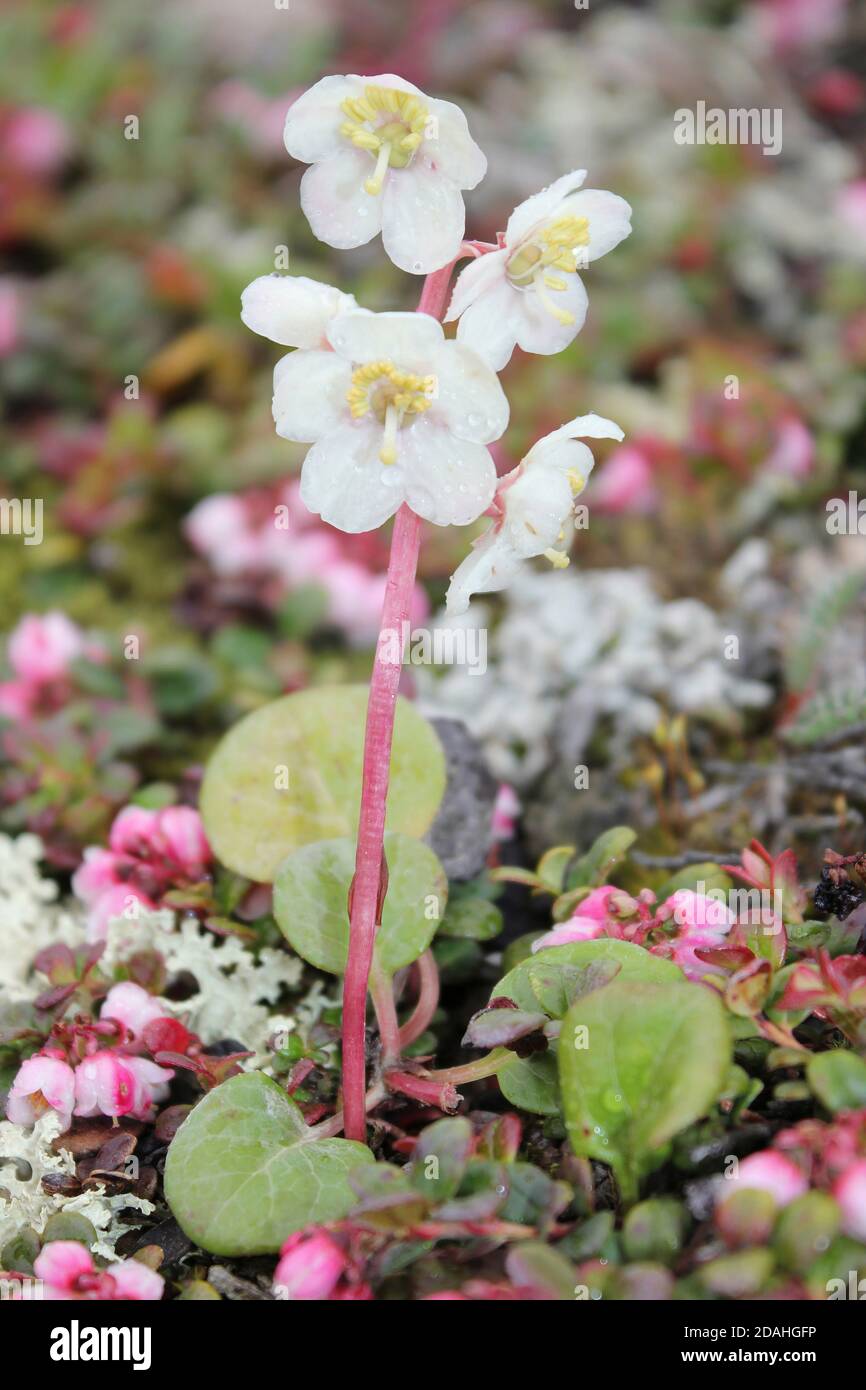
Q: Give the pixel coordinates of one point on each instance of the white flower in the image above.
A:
(528, 294)
(387, 158)
(293, 310)
(533, 505)
(395, 413)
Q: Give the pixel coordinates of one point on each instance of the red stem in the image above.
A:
(369, 884)
(427, 1002)
(366, 895)
(438, 1093)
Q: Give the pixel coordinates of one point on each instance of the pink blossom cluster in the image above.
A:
(40, 651)
(314, 1266)
(67, 1272)
(225, 529)
(811, 1154)
(149, 852)
(683, 924)
(86, 1078)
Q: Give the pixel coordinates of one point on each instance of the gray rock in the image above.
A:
(461, 832)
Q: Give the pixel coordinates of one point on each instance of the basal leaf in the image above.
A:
(290, 774)
(310, 902)
(638, 1063)
(242, 1174)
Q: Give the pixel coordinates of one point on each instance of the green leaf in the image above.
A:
(531, 1083)
(311, 893)
(638, 1063)
(242, 1173)
(440, 1157)
(593, 868)
(181, 680)
(472, 919)
(708, 875)
(635, 964)
(838, 1079)
(556, 986)
(534, 1265)
(290, 774)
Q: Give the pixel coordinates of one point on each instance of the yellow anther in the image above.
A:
(557, 558)
(555, 247)
(387, 122)
(577, 481)
(381, 389)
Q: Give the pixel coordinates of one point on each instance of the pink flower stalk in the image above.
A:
(108, 1084)
(849, 1190)
(42, 1083)
(624, 484)
(149, 853)
(67, 1272)
(369, 884)
(132, 1006)
(768, 1171)
(310, 1268)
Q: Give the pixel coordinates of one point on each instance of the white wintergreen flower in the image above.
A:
(293, 310)
(395, 413)
(534, 504)
(528, 293)
(384, 157)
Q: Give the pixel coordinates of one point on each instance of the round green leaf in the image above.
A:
(242, 1173)
(311, 893)
(635, 964)
(531, 1083)
(638, 1063)
(290, 774)
(838, 1079)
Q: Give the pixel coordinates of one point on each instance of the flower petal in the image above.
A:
(292, 309)
(313, 121)
(537, 507)
(608, 215)
(136, 1281)
(408, 340)
(479, 276)
(423, 217)
(468, 397)
(309, 394)
(489, 566)
(337, 206)
(540, 206)
(491, 324)
(344, 481)
(452, 148)
(540, 331)
(448, 481)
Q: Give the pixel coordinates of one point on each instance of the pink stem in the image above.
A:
(368, 885)
(370, 882)
(473, 1071)
(422, 1088)
(427, 1002)
(382, 993)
